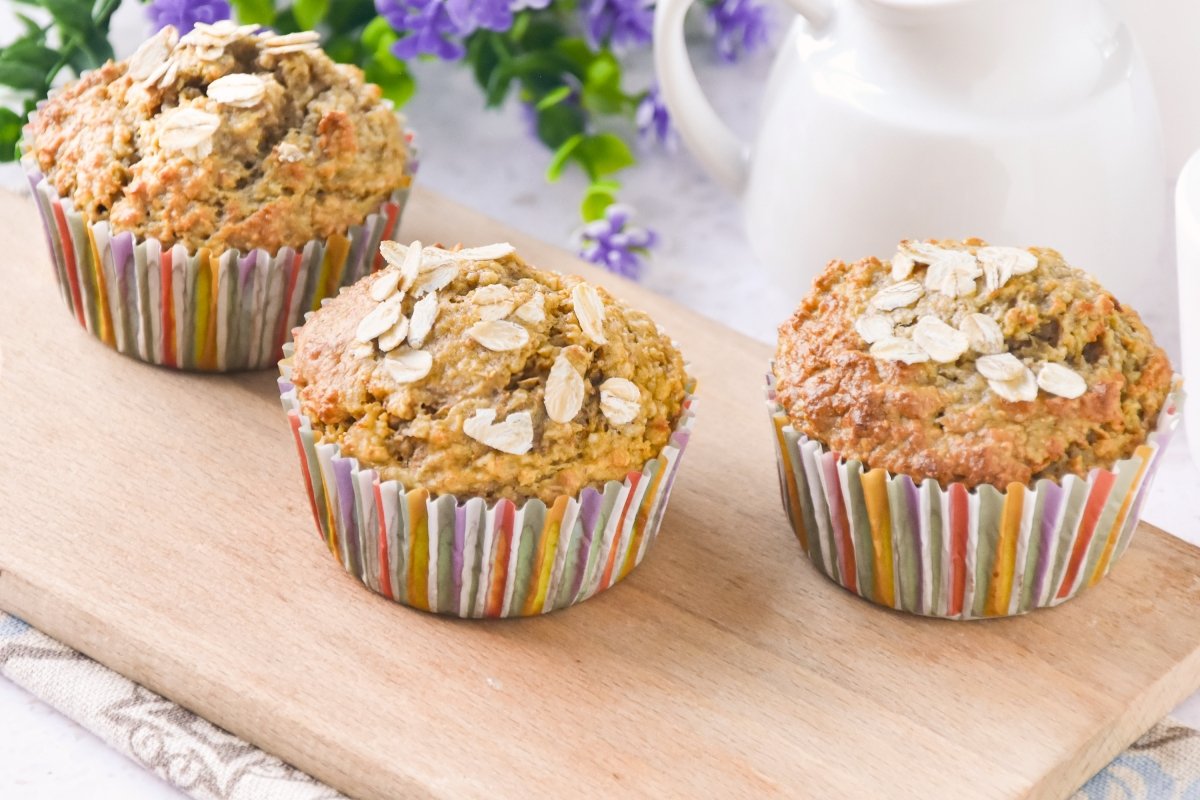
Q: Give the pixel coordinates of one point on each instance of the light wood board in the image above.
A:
(156, 521)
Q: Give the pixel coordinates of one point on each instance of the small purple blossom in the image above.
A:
(429, 27)
(184, 14)
(618, 22)
(615, 245)
(472, 15)
(654, 121)
(740, 27)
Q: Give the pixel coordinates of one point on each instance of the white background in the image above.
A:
(486, 160)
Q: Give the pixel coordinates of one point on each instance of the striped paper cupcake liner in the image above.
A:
(465, 558)
(961, 553)
(196, 310)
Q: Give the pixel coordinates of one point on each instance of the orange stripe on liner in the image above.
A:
(1091, 515)
(1000, 591)
(504, 514)
(1145, 453)
(879, 514)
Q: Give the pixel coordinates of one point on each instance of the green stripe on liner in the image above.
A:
(816, 545)
(398, 541)
(860, 528)
(570, 570)
(354, 558)
(905, 557)
(987, 540)
(475, 514)
(532, 522)
(88, 295)
(445, 575)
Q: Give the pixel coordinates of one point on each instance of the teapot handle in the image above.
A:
(717, 148)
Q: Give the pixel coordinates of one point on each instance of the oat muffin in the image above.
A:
(966, 431)
(472, 373)
(224, 138)
(967, 363)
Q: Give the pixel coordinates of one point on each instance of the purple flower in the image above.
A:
(429, 27)
(613, 244)
(184, 14)
(740, 27)
(654, 121)
(618, 22)
(471, 15)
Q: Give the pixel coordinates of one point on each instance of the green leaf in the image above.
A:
(377, 34)
(520, 26)
(10, 133)
(27, 52)
(558, 161)
(603, 154)
(32, 27)
(498, 85)
(554, 98)
(344, 51)
(557, 124)
(22, 76)
(348, 16)
(599, 197)
(576, 50)
(261, 12)
(393, 78)
(310, 12)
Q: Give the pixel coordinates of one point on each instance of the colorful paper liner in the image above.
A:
(961, 553)
(466, 559)
(198, 311)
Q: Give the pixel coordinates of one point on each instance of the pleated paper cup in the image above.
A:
(961, 553)
(466, 558)
(195, 310)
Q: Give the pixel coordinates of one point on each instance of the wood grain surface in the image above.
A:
(156, 521)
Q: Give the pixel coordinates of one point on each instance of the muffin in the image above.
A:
(481, 438)
(966, 430)
(204, 193)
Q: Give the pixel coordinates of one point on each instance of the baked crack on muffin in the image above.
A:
(229, 137)
(967, 363)
(471, 372)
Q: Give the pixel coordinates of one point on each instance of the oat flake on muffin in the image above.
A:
(970, 363)
(227, 137)
(507, 381)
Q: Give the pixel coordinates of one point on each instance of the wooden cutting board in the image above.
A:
(156, 521)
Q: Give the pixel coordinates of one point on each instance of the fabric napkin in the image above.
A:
(211, 764)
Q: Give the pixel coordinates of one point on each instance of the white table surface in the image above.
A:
(486, 160)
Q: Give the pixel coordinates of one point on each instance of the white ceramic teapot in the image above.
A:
(1027, 122)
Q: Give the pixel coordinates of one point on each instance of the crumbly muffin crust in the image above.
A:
(300, 147)
(940, 417)
(429, 431)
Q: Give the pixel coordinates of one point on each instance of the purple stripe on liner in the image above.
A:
(912, 497)
(285, 386)
(246, 267)
(589, 512)
(121, 247)
(456, 560)
(1053, 494)
(349, 517)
